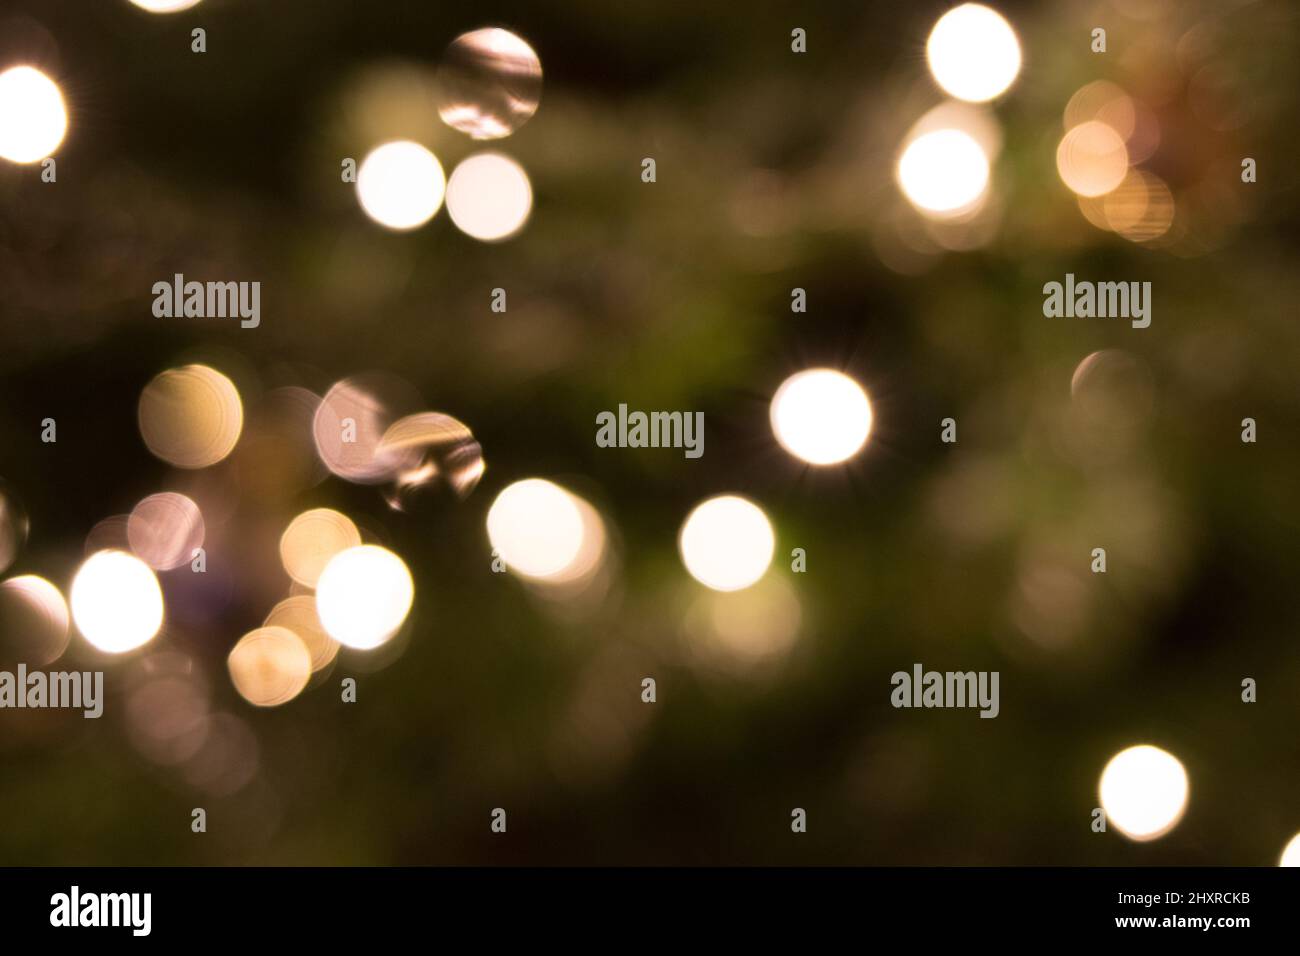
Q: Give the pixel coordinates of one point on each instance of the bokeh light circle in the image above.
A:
(401, 185)
(117, 604)
(33, 117)
(363, 596)
(537, 528)
(821, 416)
(191, 417)
(490, 83)
(489, 197)
(1144, 792)
(973, 53)
(944, 172)
(727, 543)
(269, 666)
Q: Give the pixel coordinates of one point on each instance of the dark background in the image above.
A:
(775, 170)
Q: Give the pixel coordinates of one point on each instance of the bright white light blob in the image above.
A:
(363, 596)
(489, 196)
(973, 53)
(944, 172)
(821, 416)
(1144, 792)
(727, 543)
(536, 527)
(33, 118)
(165, 6)
(1291, 855)
(401, 185)
(116, 602)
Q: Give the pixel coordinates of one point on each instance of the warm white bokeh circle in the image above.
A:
(727, 543)
(1144, 792)
(165, 6)
(1291, 854)
(944, 172)
(973, 53)
(536, 527)
(401, 185)
(821, 416)
(33, 117)
(363, 596)
(116, 602)
(489, 196)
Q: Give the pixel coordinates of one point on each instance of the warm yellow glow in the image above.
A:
(116, 602)
(1092, 159)
(312, 539)
(401, 185)
(1144, 792)
(269, 666)
(944, 172)
(973, 53)
(298, 614)
(727, 543)
(33, 620)
(33, 118)
(821, 416)
(537, 529)
(165, 6)
(191, 417)
(489, 197)
(363, 596)
(1291, 855)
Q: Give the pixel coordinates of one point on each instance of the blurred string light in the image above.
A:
(312, 539)
(1092, 158)
(165, 6)
(269, 666)
(116, 602)
(191, 417)
(546, 533)
(1291, 854)
(821, 416)
(944, 173)
(1144, 792)
(33, 620)
(33, 118)
(13, 527)
(165, 529)
(298, 614)
(401, 185)
(973, 53)
(363, 596)
(489, 197)
(727, 543)
(490, 82)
